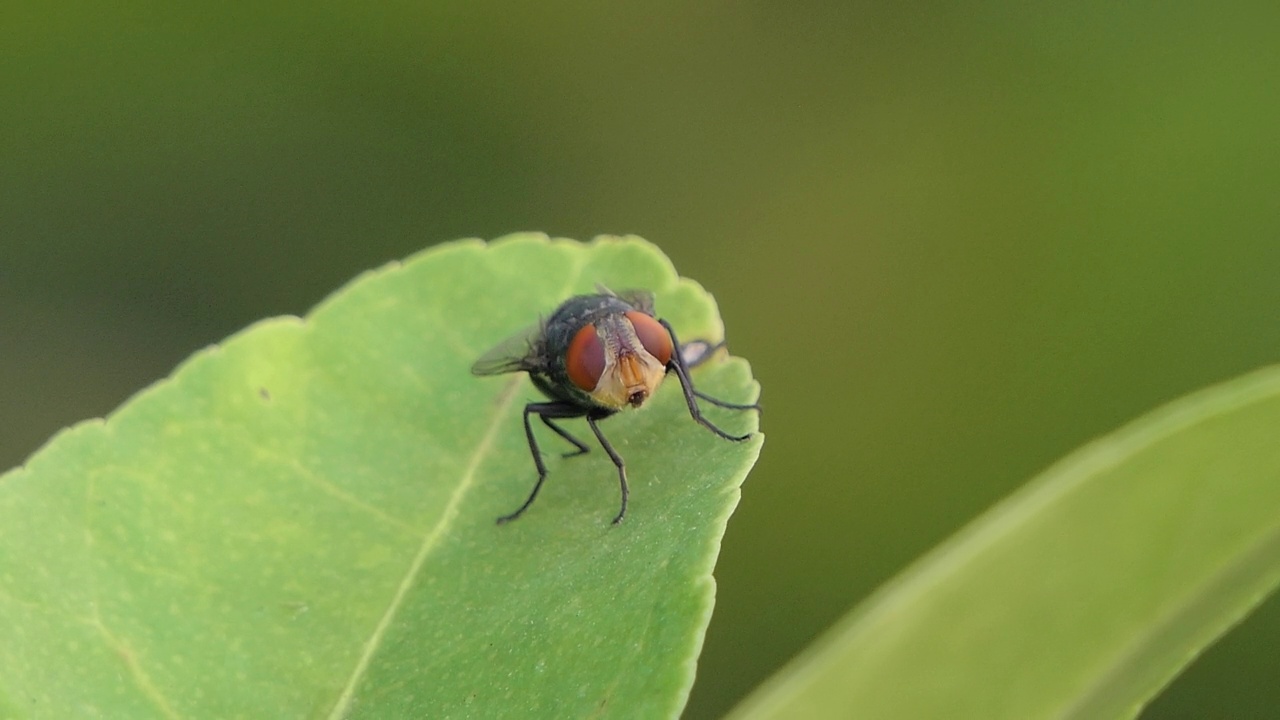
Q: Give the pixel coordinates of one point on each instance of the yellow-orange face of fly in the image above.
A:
(620, 359)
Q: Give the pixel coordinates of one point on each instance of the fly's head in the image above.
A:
(620, 358)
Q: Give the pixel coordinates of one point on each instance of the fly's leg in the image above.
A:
(545, 411)
(582, 447)
(696, 352)
(691, 395)
(617, 461)
(721, 403)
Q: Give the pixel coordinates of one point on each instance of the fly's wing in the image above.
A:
(696, 352)
(641, 300)
(517, 353)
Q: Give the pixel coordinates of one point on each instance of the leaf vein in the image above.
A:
(430, 541)
(136, 672)
(337, 493)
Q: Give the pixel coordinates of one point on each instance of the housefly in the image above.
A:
(594, 356)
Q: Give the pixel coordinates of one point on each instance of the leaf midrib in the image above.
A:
(429, 542)
(1252, 561)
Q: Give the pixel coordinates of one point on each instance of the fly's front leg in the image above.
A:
(691, 395)
(721, 403)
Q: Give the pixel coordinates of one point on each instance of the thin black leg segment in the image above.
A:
(582, 447)
(721, 403)
(691, 395)
(617, 461)
(544, 410)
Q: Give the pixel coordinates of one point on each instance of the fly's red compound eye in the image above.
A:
(655, 338)
(585, 358)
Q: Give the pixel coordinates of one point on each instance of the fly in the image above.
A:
(596, 355)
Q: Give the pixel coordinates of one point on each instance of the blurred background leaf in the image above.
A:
(955, 243)
(1081, 595)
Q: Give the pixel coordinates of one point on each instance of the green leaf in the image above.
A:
(300, 521)
(1081, 595)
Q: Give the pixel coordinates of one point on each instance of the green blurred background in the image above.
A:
(955, 242)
